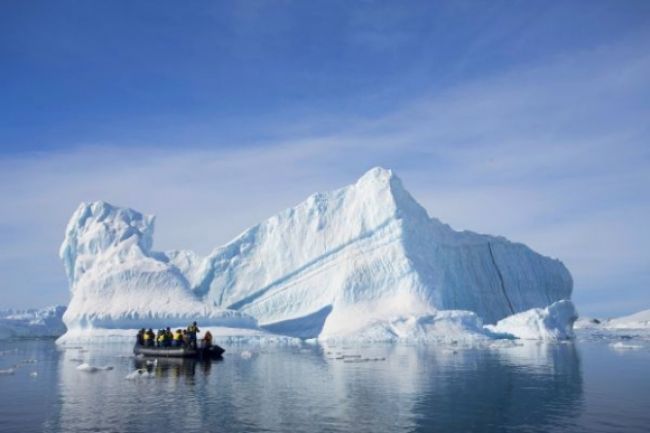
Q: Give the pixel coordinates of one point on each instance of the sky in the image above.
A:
(527, 119)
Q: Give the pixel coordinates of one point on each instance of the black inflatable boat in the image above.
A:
(213, 352)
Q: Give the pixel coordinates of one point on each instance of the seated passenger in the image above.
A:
(207, 340)
(146, 338)
(178, 338)
(168, 337)
(149, 338)
(140, 337)
(192, 330)
(186, 338)
(160, 338)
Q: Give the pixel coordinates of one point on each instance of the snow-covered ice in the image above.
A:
(365, 259)
(44, 322)
(640, 320)
(635, 326)
(554, 322)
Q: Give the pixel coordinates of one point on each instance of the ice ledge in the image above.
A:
(552, 323)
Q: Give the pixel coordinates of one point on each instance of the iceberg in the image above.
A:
(32, 323)
(639, 320)
(359, 257)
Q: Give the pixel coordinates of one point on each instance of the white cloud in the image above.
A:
(553, 155)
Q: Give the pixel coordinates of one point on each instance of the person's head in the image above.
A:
(168, 328)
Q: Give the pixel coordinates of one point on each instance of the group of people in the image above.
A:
(167, 338)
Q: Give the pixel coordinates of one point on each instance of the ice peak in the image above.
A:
(380, 178)
(377, 174)
(98, 226)
(382, 182)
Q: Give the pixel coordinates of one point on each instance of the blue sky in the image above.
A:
(526, 119)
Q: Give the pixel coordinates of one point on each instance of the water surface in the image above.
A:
(583, 386)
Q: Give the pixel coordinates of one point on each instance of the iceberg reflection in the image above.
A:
(312, 388)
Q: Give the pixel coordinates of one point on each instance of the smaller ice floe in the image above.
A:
(554, 322)
(7, 371)
(33, 374)
(620, 346)
(246, 354)
(139, 374)
(93, 369)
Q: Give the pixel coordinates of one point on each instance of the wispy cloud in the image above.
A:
(555, 155)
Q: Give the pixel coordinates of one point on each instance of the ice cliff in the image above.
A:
(335, 263)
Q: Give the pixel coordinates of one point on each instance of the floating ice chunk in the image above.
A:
(620, 346)
(93, 369)
(7, 371)
(34, 374)
(246, 354)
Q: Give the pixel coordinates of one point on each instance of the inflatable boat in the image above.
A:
(212, 352)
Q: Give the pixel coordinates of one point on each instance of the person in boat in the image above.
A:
(192, 330)
(140, 337)
(169, 337)
(178, 338)
(207, 339)
(160, 338)
(149, 337)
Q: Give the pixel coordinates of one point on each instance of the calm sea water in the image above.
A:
(585, 386)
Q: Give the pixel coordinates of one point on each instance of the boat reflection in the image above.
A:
(174, 367)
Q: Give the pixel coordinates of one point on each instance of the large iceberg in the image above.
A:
(338, 262)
